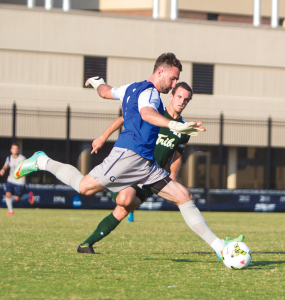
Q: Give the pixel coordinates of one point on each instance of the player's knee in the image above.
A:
(122, 200)
(84, 187)
(126, 200)
(83, 191)
(185, 196)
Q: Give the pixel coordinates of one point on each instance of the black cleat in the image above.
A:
(85, 248)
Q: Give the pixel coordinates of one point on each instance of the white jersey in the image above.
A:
(149, 97)
(12, 163)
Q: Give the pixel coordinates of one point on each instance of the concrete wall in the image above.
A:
(207, 42)
(42, 55)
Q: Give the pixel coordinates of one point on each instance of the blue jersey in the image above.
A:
(138, 135)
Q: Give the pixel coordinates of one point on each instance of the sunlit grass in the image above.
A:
(156, 257)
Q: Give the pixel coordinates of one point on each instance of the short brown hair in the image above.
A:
(14, 144)
(168, 59)
(183, 85)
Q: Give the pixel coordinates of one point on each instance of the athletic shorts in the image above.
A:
(142, 194)
(14, 189)
(123, 168)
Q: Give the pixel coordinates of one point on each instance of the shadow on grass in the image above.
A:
(263, 263)
(174, 260)
(278, 252)
(203, 253)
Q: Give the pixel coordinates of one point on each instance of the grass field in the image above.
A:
(156, 257)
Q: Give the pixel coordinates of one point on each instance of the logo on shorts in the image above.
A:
(112, 178)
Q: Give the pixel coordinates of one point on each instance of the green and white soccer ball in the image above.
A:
(236, 255)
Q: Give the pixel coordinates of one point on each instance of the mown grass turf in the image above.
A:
(156, 257)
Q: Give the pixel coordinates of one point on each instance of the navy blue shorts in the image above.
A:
(14, 189)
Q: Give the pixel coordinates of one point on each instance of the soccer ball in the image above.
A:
(236, 255)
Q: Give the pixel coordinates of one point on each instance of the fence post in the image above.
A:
(268, 156)
(221, 151)
(67, 147)
(14, 122)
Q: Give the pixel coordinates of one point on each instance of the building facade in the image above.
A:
(235, 69)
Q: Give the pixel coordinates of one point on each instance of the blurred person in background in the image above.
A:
(14, 188)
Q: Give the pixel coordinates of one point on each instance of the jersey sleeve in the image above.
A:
(149, 98)
(7, 161)
(119, 92)
(181, 146)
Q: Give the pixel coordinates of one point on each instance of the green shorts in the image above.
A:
(140, 193)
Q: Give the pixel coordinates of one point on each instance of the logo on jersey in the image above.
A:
(112, 178)
(163, 140)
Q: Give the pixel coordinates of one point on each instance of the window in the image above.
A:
(213, 17)
(95, 66)
(203, 79)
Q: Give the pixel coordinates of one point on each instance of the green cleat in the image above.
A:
(226, 242)
(28, 166)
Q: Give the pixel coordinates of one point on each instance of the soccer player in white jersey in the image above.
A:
(131, 160)
(14, 187)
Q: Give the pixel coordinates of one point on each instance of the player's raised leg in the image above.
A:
(66, 173)
(28, 196)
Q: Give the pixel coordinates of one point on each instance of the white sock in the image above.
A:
(65, 173)
(9, 204)
(217, 245)
(41, 162)
(198, 224)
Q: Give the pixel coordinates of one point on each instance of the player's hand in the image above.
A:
(97, 144)
(190, 128)
(95, 82)
(2, 172)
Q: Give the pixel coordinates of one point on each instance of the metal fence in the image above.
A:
(25, 122)
(67, 125)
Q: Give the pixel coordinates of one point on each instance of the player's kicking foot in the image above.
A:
(85, 248)
(226, 242)
(131, 217)
(10, 213)
(31, 199)
(28, 166)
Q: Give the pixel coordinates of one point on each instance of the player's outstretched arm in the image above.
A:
(103, 90)
(98, 143)
(175, 165)
(151, 116)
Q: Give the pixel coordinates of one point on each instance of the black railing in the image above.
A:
(70, 125)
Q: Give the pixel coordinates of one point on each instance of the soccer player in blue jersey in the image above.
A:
(131, 160)
(170, 145)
